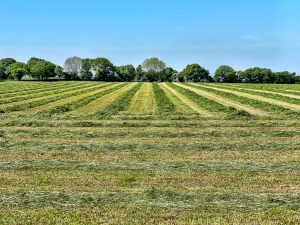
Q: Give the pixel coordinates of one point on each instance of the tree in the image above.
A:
(17, 70)
(4, 64)
(59, 72)
(285, 77)
(153, 64)
(195, 73)
(257, 75)
(104, 70)
(151, 76)
(226, 74)
(139, 73)
(168, 75)
(126, 73)
(41, 69)
(73, 67)
(86, 70)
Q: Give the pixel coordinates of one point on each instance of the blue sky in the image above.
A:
(240, 33)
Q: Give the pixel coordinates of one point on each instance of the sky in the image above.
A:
(239, 33)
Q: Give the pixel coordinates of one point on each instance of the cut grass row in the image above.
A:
(184, 101)
(39, 89)
(27, 104)
(163, 133)
(285, 102)
(272, 91)
(153, 214)
(164, 105)
(225, 101)
(202, 102)
(102, 102)
(120, 103)
(73, 102)
(137, 181)
(26, 98)
(143, 101)
(12, 87)
(121, 141)
(269, 107)
(180, 106)
(13, 121)
(205, 166)
(136, 155)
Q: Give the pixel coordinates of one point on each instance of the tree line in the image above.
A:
(151, 70)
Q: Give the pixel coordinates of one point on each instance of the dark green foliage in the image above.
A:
(17, 70)
(285, 77)
(126, 73)
(104, 70)
(41, 69)
(226, 74)
(257, 75)
(86, 70)
(195, 73)
(4, 64)
(139, 73)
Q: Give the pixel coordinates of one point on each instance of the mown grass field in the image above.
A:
(142, 153)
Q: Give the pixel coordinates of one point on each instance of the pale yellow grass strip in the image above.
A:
(68, 100)
(143, 101)
(225, 101)
(102, 102)
(272, 101)
(192, 105)
(263, 91)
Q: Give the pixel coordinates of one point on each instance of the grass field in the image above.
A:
(142, 153)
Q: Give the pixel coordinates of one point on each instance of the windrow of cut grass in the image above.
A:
(30, 103)
(279, 95)
(71, 103)
(263, 97)
(12, 87)
(180, 106)
(133, 180)
(164, 105)
(147, 132)
(283, 88)
(38, 89)
(272, 91)
(192, 105)
(204, 103)
(41, 93)
(152, 214)
(143, 101)
(73, 107)
(272, 109)
(229, 103)
(102, 102)
(120, 141)
(121, 102)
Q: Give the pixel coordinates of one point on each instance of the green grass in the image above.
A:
(114, 167)
(164, 105)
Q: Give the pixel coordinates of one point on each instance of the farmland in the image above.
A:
(149, 153)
